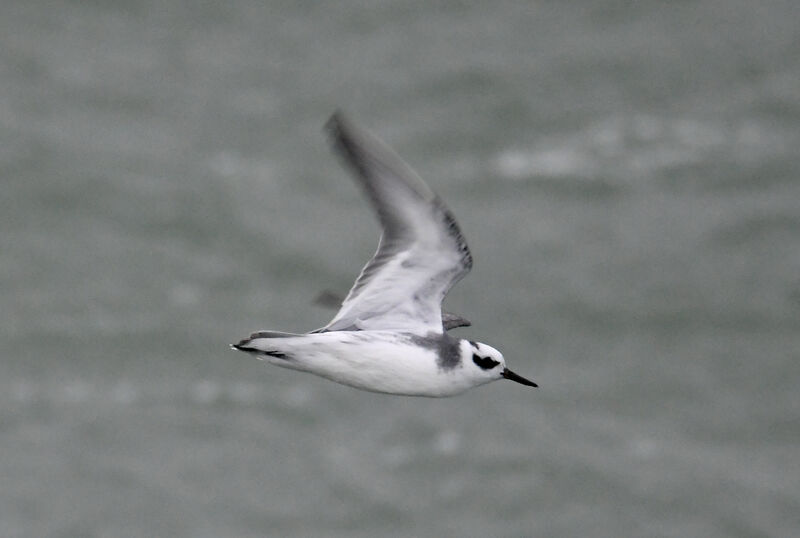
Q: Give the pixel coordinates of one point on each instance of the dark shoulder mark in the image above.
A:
(448, 353)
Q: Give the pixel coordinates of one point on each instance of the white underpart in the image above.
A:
(377, 361)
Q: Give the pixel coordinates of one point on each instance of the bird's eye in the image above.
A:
(487, 363)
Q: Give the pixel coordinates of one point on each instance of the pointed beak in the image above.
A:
(508, 374)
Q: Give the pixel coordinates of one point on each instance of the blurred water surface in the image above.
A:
(627, 177)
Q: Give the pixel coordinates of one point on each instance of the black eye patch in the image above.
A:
(486, 363)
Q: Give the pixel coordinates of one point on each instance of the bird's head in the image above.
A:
(486, 364)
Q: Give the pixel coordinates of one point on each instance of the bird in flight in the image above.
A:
(390, 334)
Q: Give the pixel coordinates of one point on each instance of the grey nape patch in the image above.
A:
(447, 349)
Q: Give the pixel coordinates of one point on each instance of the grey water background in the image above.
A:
(627, 176)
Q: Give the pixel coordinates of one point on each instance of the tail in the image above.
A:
(255, 343)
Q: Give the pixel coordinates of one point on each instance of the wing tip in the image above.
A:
(336, 124)
(354, 147)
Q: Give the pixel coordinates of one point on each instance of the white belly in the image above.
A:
(376, 361)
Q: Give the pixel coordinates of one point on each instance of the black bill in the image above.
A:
(508, 374)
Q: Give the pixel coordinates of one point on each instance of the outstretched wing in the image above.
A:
(421, 252)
